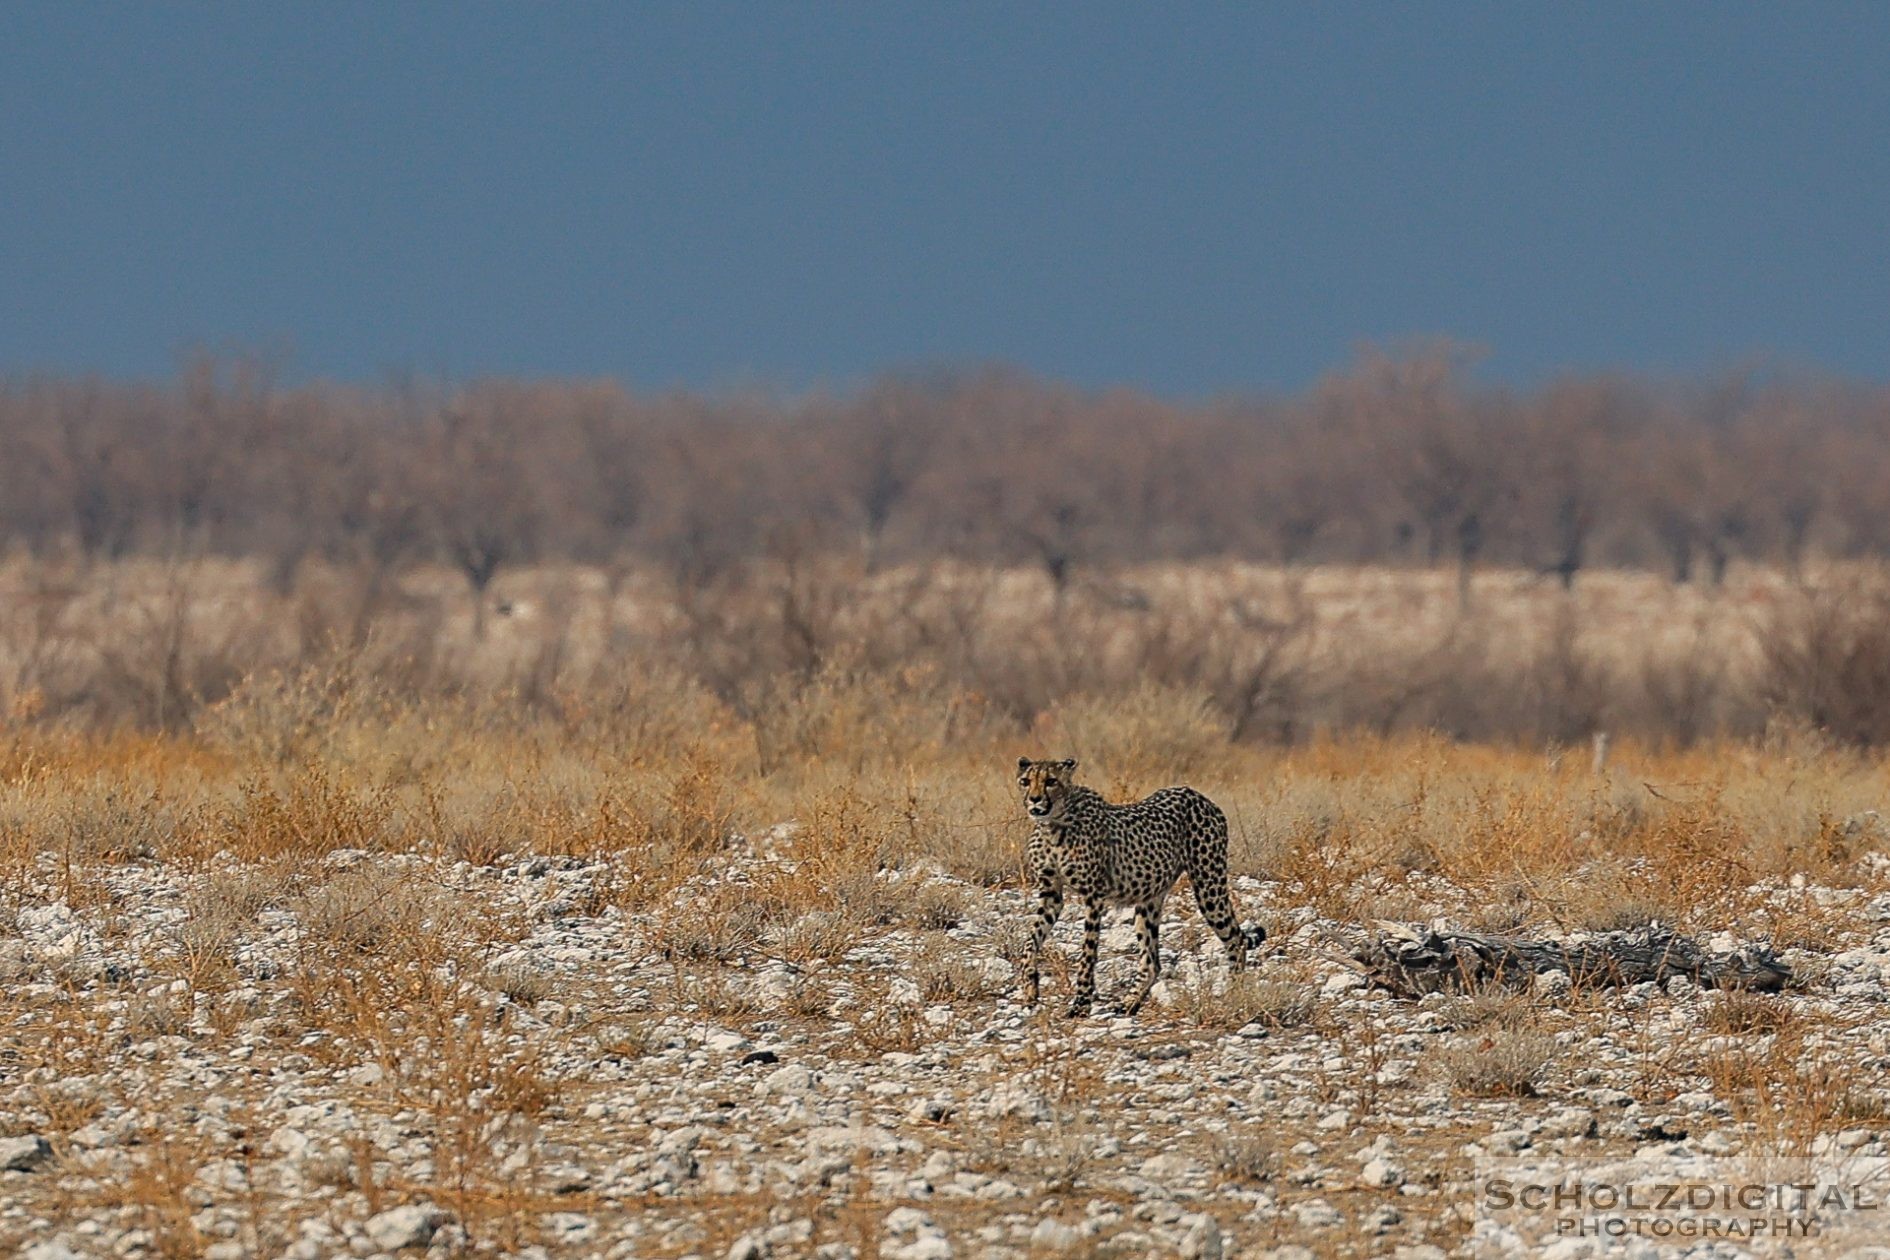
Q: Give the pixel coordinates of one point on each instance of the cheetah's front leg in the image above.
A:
(1086, 977)
(1049, 906)
(1148, 921)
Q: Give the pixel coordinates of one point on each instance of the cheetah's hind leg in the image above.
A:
(1210, 894)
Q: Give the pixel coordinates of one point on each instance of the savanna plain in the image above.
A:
(604, 920)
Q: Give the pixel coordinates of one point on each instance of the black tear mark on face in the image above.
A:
(1045, 783)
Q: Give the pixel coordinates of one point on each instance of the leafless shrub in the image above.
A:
(1248, 1157)
(1609, 897)
(1826, 660)
(1737, 1011)
(818, 934)
(716, 995)
(1167, 732)
(882, 1022)
(928, 904)
(1057, 1155)
(522, 982)
(1487, 1008)
(159, 1014)
(624, 1039)
(1248, 999)
(809, 998)
(117, 822)
(369, 911)
(240, 893)
(1064, 1157)
(723, 932)
(1499, 1063)
(944, 974)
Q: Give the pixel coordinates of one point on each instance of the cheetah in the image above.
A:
(1123, 855)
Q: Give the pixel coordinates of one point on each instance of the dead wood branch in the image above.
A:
(1412, 960)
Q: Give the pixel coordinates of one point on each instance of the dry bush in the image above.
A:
(1505, 908)
(1010, 940)
(1062, 1159)
(286, 716)
(1148, 673)
(1131, 741)
(1247, 999)
(724, 929)
(827, 935)
(157, 1014)
(1787, 1091)
(1333, 864)
(1491, 1007)
(117, 821)
(476, 1089)
(161, 658)
(206, 946)
(639, 713)
(809, 998)
(1738, 1011)
(623, 1039)
(882, 1022)
(927, 904)
(523, 983)
(854, 716)
(308, 812)
(1592, 909)
(716, 996)
(944, 974)
(668, 826)
(240, 893)
(1826, 660)
(1501, 1063)
(374, 911)
(1248, 1157)
(157, 1191)
(1056, 1155)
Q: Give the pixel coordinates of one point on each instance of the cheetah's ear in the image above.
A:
(1023, 764)
(1069, 765)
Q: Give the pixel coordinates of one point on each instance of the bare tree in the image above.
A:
(880, 444)
(1441, 447)
(1569, 435)
(479, 490)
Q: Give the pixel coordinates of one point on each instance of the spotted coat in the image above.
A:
(1122, 855)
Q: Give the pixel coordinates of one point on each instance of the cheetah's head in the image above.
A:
(1046, 785)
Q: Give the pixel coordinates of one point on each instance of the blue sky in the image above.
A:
(1189, 198)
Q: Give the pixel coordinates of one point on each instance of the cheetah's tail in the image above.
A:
(1253, 934)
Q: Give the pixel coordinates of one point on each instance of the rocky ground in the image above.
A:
(393, 1054)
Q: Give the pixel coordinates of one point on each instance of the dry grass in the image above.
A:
(1148, 670)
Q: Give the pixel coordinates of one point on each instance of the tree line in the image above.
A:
(1397, 458)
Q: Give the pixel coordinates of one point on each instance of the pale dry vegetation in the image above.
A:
(341, 836)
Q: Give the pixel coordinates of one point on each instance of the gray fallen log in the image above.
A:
(1412, 960)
